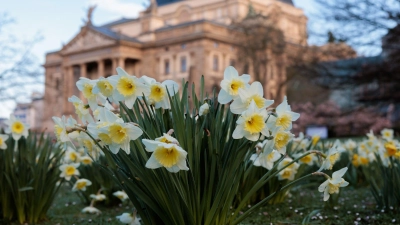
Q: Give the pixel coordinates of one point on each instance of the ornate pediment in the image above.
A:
(87, 39)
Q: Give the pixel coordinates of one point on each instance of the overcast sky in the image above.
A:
(58, 21)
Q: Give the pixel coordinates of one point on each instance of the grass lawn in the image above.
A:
(356, 206)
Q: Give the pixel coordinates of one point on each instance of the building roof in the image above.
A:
(290, 2)
(165, 2)
(120, 21)
(112, 34)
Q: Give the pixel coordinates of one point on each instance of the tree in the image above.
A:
(370, 24)
(18, 68)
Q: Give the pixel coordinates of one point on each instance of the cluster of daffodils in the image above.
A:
(101, 127)
(14, 128)
(385, 147)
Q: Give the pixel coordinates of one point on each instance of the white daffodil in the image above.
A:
(89, 145)
(350, 145)
(284, 118)
(246, 95)
(266, 159)
(3, 139)
(308, 159)
(81, 184)
(251, 123)
(332, 185)
(231, 84)
(105, 87)
(86, 87)
(159, 92)
(280, 140)
(300, 138)
(91, 209)
(121, 195)
(129, 87)
(170, 156)
(98, 197)
(86, 160)
(105, 118)
(289, 172)
(168, 139)
(331, 158)
(61, 126)
(128, 218)
(387, 134)
(119, 136)
(204, 109)
(69, 170)
(81, 110)
(16, 128)
(71, 156)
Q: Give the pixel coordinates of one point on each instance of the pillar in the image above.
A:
(100, 68)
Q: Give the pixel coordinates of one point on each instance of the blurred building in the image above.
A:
(172, 39)
(31, 113)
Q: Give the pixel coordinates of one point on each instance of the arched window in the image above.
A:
(215, 63)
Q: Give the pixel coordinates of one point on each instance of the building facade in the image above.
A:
(31, 113)
(172, 39)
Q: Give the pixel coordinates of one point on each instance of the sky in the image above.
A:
(58, 21)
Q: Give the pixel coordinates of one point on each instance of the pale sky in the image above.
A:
(58, 21)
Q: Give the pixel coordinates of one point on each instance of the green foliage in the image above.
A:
(28, 176)
(101, 179)
(385, 183)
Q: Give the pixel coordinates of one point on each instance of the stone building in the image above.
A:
(172, 39)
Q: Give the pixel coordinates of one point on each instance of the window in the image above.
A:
(215, 63)
(183, 46)
(216, 44)
(183, 64)
(166, 67)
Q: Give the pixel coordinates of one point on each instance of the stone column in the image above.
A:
(100, 68)
(69, 85)
(121, 62)
(83, 70)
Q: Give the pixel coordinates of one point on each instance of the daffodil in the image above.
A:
(231, 84)
(16, 128)
(3, 139)
(89, 145)
(158, 95)
(106, 87)
(358, 160)
(170, 156)
(332, 185)
(61, 126)
(289, 172)
(246, 95)
(86, 160)
(81, 110)
(98, 197)
(91, 209)
(280, 140)
(168, 139)
(204, 109)
(129, 87)
(309, 159)
(331, 158)
(391, 149)
(284, 116)
(128, 218)
(387, 134)
(86, 87)
(350, 145)
(251, 123)
(69, 170)
(72, 156)
(81, 184)
(121, 195)
(266, 159)
(117, 135)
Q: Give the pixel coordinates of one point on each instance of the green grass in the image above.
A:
(355, 205)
